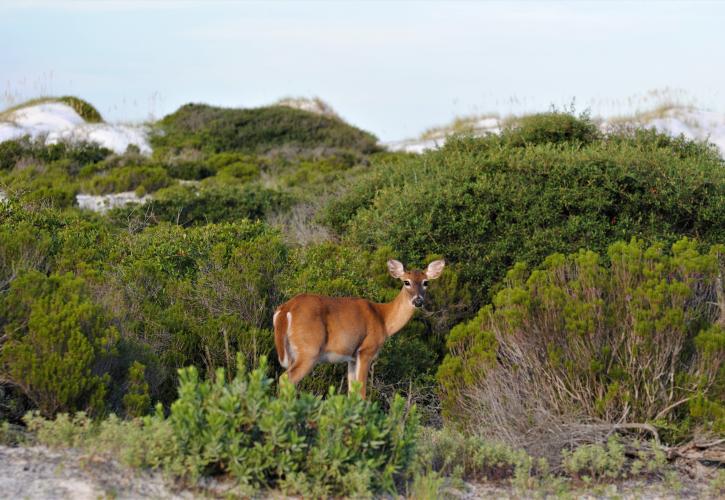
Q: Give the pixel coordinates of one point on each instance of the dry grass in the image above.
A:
(459, 125)
(83, 108)
(299, 227)
(311, 104)
(553, 388)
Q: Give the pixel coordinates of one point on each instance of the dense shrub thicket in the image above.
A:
(487, 204)
(256, 130)
(640, 339)
(58, 343)
(189, 205)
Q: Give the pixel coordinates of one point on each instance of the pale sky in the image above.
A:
(393, 68)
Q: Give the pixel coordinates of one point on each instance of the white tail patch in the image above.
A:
(274, 318)
(288, 342)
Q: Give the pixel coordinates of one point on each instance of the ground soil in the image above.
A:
(37, 472)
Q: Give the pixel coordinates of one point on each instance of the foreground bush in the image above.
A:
(296, 442)
(580, 342)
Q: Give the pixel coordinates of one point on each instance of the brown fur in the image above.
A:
(338, 329)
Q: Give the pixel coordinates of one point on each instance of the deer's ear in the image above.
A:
(395, 268)
(435, 269)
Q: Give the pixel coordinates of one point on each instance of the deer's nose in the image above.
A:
(418, 301)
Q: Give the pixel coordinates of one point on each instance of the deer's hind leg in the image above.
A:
(300, 368)
(306, 343)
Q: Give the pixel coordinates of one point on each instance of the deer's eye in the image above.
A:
(425, 283)
(406, 283)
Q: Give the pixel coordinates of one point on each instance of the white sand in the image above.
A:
(56, 121)
(693, 123)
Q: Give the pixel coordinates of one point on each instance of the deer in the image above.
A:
(311, 329)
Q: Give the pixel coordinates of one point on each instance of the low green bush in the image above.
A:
(78, 154)
(196, 295)
(607, 462)
(451, 453)
(188, 205)
(301, 444)
(127, 179)
(47, 184)
(137, 400)
(237, 165)
(189, 170)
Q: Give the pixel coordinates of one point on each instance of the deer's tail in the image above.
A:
(279, 320)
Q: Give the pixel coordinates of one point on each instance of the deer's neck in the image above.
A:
(396, 313)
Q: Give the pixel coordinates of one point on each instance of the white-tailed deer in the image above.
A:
(311, 329)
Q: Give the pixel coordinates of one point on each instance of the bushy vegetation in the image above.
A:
(189, 205)
(256, 130)
(487, 204)
(57, 342)
(637, 340)
(571, 308)
(301, 444)
(554, 127)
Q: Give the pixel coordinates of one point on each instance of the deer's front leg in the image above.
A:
(364, 360)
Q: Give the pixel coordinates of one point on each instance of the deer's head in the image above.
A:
(415, 282)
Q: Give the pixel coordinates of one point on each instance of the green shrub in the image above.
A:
(596, 462)
(239, 166)
(22, 248)
(552, 127)
(260, 440)
(179, 252)
(58, 343)
(33, 237)
(579, 339)
(608, 462)
(457, 456)
(10, 153)
(186, 205)
(137, 400)
(141, 442)
(486, 204)
(197, 295)
(255, 130)
(78, 154)
(189, 170)
(293, 441)
(47, 184)
(128, 179)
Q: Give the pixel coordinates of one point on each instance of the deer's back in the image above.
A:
(337, 324)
